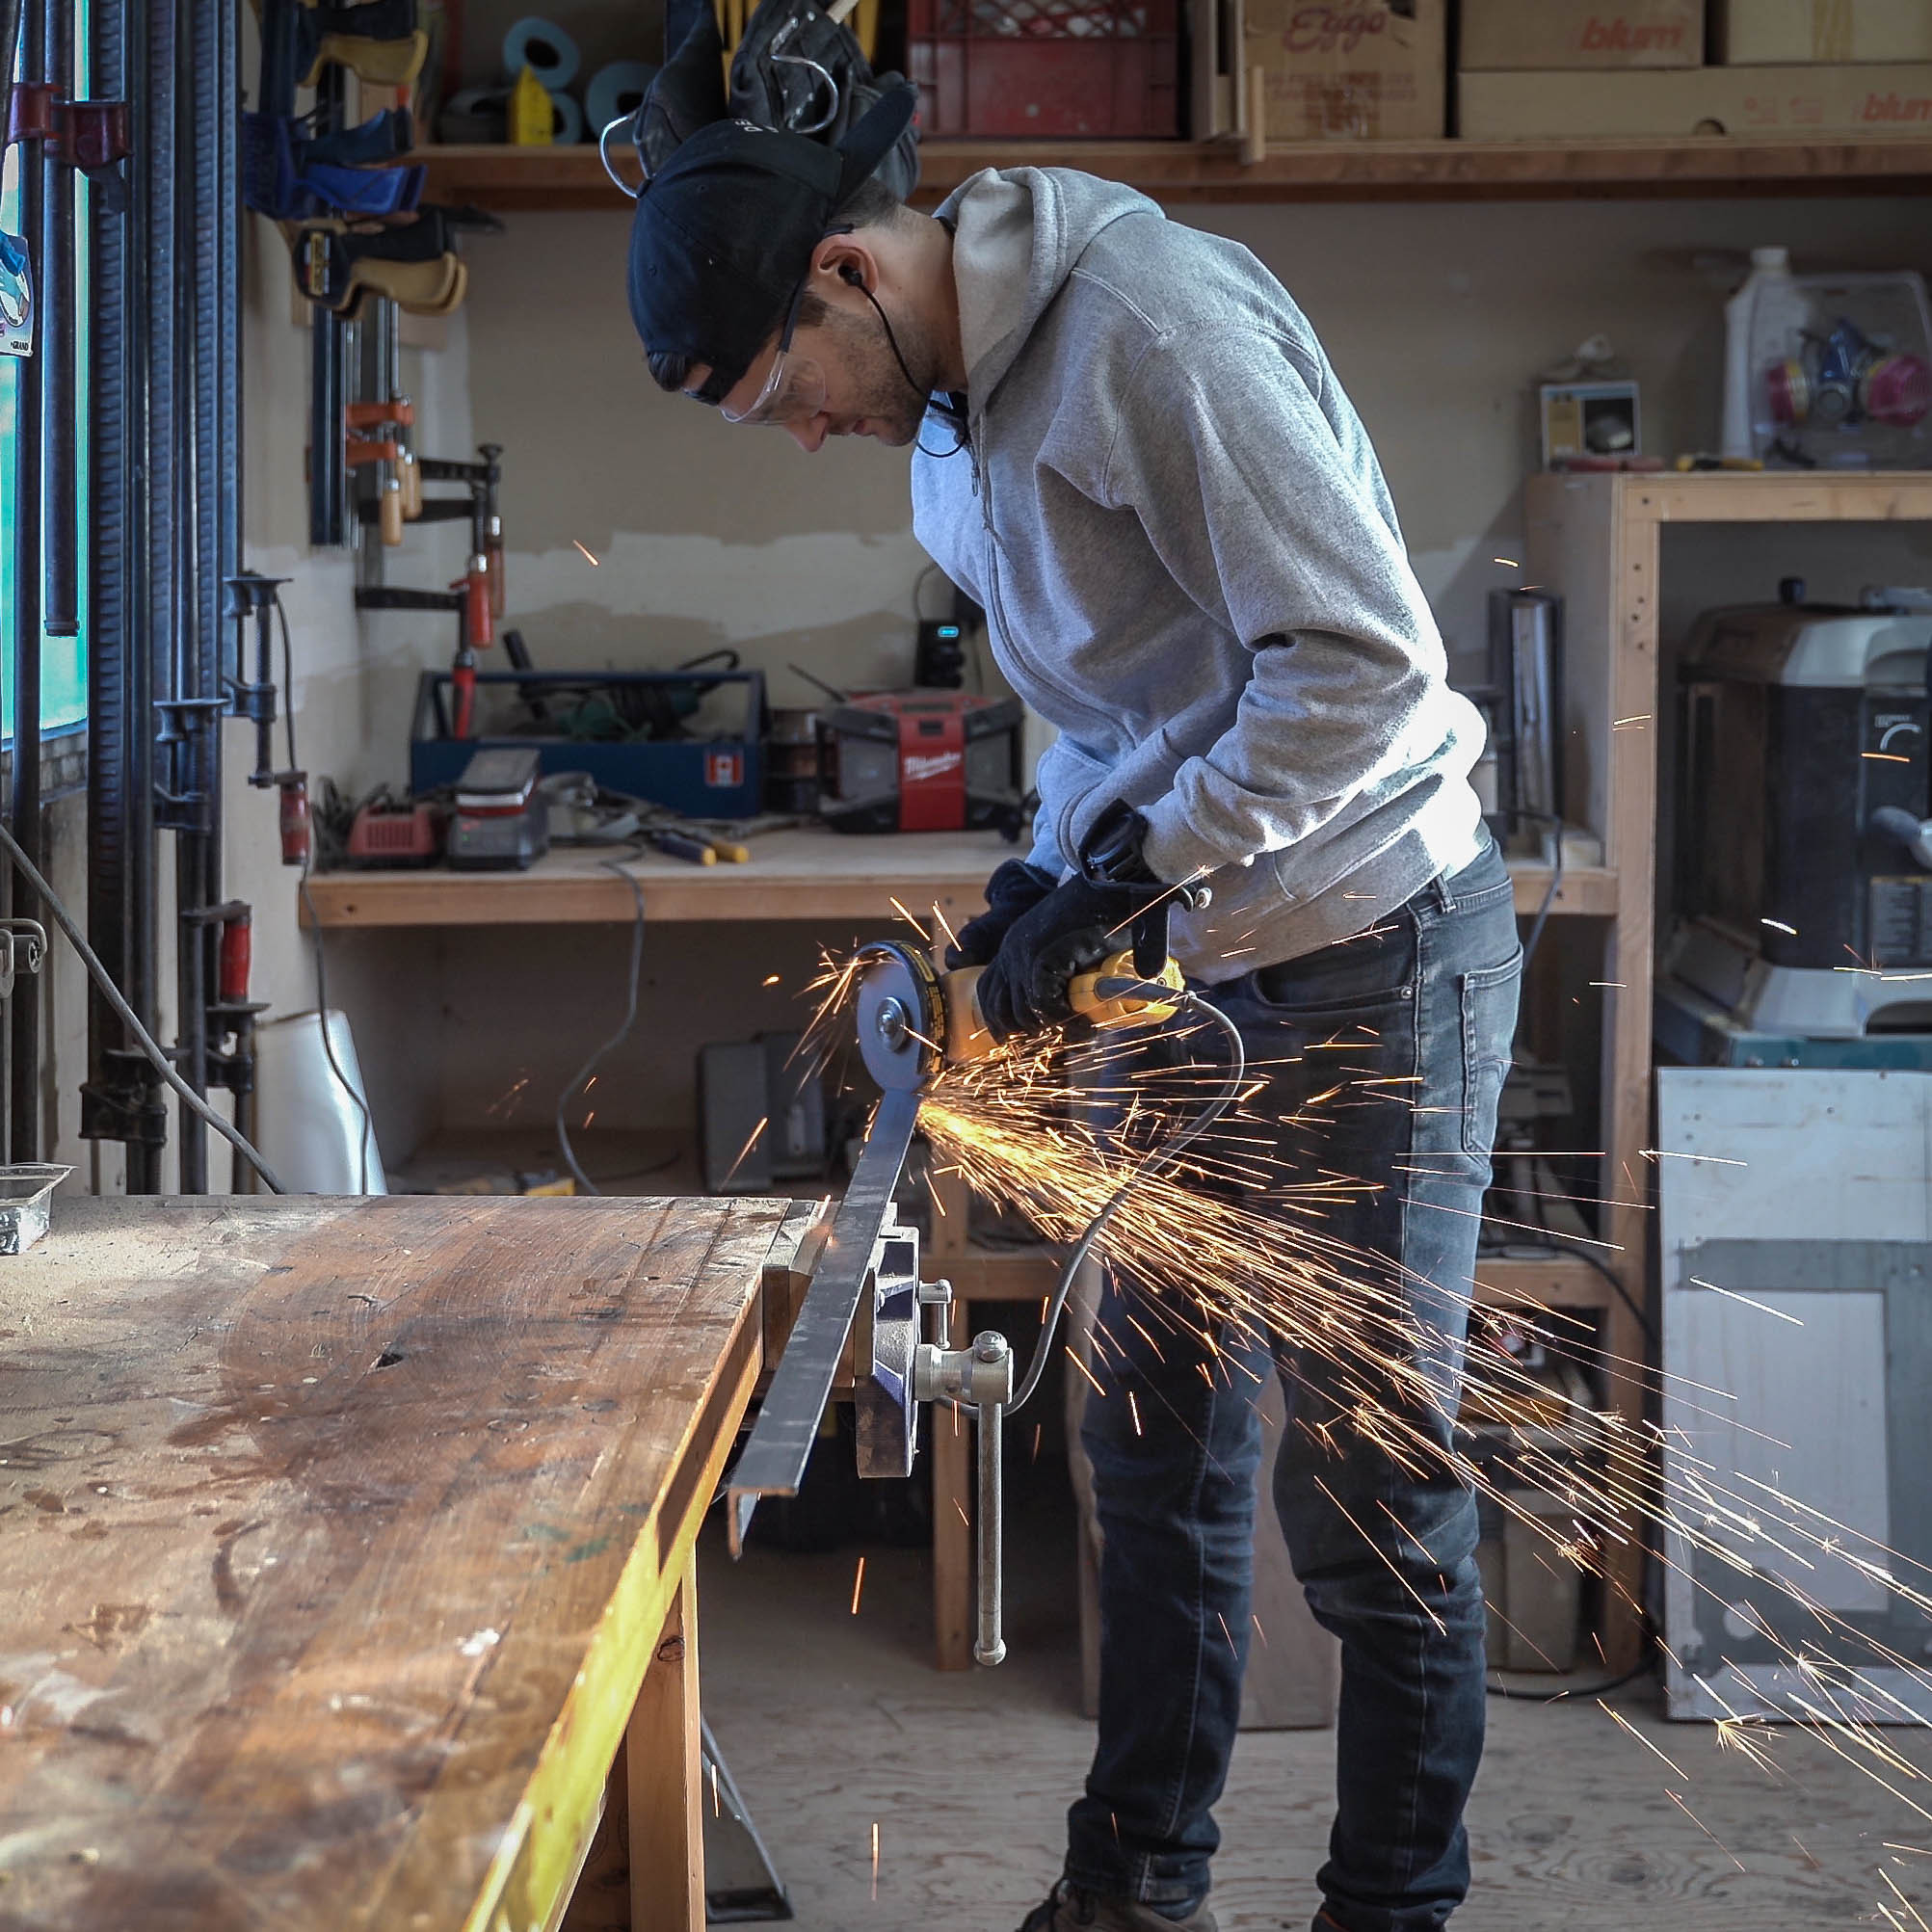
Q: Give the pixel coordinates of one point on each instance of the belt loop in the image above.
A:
(1444, 898)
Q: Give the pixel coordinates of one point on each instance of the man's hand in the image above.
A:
(1012, 891)
(1074, 928)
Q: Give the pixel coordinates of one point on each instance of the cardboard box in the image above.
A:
(1767, 33)
(1352, 69)
(1499, 36)
(1791, 102)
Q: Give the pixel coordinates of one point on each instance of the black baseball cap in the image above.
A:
(724, 231)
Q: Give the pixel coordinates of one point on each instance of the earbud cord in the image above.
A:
(945, 415)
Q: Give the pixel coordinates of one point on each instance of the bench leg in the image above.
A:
(664, 1760)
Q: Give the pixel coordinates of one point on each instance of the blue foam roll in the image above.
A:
(616, 89)
(544, 48)
(566, 127)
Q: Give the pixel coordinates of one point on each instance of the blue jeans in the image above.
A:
(1427, 997)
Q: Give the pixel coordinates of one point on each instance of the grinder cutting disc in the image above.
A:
(901, 1016)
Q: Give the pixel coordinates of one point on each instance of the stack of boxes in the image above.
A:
(1562, 70)
(1351, 69)
(1581, 69)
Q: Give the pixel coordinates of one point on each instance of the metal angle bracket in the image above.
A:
(843, 1287)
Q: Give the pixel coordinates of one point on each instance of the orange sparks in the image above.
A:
(1084, 1370)
(770, 979)
(1258, 1632)
(1622, 1723)
(857, 1585)
(899, 907)
(875, 1857)
(763, 1124)
(1135, 1409)
(963, 1516)
(582, 552)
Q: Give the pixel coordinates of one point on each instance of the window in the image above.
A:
(63, 659)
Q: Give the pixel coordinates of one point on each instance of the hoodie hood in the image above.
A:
(1017, 236)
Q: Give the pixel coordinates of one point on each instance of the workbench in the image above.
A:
(800, 873)
(814, 874)
(348, 1542)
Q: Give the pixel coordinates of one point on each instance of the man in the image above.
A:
(1138, 460)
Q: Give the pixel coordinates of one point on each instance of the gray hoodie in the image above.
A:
(1191, 566)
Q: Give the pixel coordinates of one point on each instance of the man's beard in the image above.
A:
(882, 394)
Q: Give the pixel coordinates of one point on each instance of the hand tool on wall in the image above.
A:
(468, 598)
(476, 596)
(912, 1020)
(252, 596)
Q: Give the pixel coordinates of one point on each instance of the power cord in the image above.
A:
(125, 1014)
(1163, 1156)
(616, 1039)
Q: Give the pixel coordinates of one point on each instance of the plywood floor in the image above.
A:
(833, 1722)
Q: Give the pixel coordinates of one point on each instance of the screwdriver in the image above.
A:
(680, 845)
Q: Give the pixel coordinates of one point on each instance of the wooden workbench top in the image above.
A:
(804, 873)
(335, 1538)
(807, 873)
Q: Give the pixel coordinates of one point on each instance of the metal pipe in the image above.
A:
(201, 216)
(23, 1065)
(60, 538)
(992, 1361)
(112, 741)
(9, 39)
(155, 489)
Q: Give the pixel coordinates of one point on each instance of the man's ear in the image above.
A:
(849, 259)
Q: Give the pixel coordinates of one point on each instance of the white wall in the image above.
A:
(1438, 318)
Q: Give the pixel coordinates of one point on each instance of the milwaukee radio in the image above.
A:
(921, 761)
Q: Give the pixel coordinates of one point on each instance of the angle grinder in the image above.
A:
(913, 1019)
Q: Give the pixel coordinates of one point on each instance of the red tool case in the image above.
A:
(921, 761)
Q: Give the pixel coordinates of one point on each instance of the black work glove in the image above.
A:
(1015, 888)
(1071, 930)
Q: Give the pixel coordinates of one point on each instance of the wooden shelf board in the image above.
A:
(531, 178)
(1556, 1282)
(802, 874)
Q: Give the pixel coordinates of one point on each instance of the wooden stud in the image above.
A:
(662, 1762)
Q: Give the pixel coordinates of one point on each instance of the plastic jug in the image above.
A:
(1765, 309)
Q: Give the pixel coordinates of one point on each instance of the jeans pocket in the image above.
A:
(1489, 1000)
(1374, 969)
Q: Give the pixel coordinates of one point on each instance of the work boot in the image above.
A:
(1070, 1909)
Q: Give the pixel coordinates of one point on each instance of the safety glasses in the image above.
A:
(794, 388)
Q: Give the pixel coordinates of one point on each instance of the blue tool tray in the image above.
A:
(691, 740)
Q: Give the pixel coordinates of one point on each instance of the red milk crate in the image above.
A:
(1070, 69)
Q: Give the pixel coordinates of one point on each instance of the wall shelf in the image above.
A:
(512, 179)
